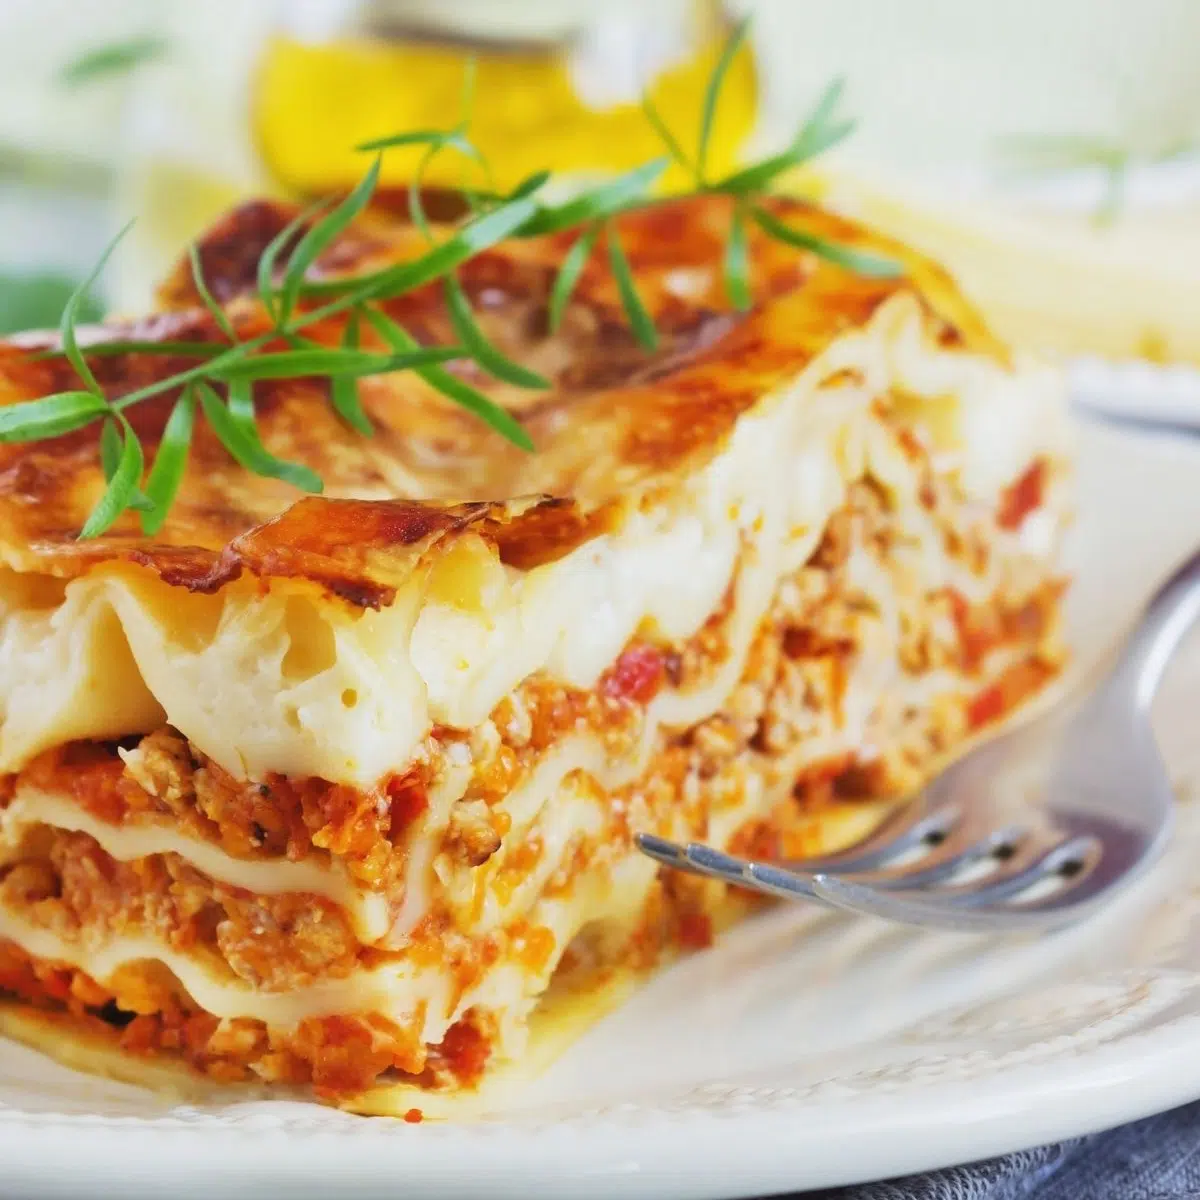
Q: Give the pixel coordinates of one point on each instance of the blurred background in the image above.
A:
(1048, 151)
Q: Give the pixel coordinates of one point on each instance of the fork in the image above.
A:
(1031, 830)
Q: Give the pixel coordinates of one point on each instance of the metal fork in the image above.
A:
(1031, 830)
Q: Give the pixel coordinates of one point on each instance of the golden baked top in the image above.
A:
(618, 425)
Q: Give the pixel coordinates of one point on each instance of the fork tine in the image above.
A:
(704, 860)
(987, 906)
(780, 881)
(667, 852)
(939, 867)
(992, 904)
(1023, 872)
(694, 858)
(761, 877)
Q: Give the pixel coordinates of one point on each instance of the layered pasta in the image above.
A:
(333, 794)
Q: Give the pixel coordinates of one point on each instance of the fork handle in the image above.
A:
(1168, 616)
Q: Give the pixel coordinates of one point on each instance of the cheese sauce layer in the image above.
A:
(286, 679)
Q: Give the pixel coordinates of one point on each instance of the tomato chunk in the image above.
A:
(1022, 497)
(637, 675)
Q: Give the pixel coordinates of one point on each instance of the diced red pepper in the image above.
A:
(637, 675)
(1022, 497)
(408, 799)
(695, 931)
(986, 707)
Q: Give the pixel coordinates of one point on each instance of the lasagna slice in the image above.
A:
(339, 793)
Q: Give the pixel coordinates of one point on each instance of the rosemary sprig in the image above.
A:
(569, 273)
(874, 266)
(170, 461)
(343, 389)
(639, 318)
(736, 264)
(712, 93)
(52, 416)
(747, 187)
(449, 385)
(467, 330)
(220, 381)
(70, 315)
(124, 472)
(215, 310)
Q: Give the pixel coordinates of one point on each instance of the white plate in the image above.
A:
(808, 1049)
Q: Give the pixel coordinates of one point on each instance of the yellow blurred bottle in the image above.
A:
(273, 99)
(556, 86)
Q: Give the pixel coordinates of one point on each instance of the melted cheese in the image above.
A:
(290, 682)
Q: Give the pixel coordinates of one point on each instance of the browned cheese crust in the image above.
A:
(433, 471)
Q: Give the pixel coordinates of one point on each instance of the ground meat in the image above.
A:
(165, 777)
(472, 836)
(75, 889)
(146, 1012)
(163, 768)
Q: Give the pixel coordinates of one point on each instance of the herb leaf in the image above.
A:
(110, 448)
(170, 462)
(343, 389)
(416, 206)
(456, 140)
(713, 92)
(820, 131)
(110, 460)
(737, 267)
(473, 400)
(275, 247)
(139, 346)
(113, 59)
(297, 364)
(527, 186)
(319, 237)
(415, 137)
(569, 273)
(33, 420)
(217, 313)
(235, 426)
(494, 216)
(478, 347)
(122, 485)
(605, 201)
(874, 266)
(479, 234)
(71, 314)
(666, 136)
(757, 176)
(639, 318)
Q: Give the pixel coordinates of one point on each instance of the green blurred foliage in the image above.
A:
(37, 301)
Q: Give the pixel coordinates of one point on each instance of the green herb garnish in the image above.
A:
(220, 383)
